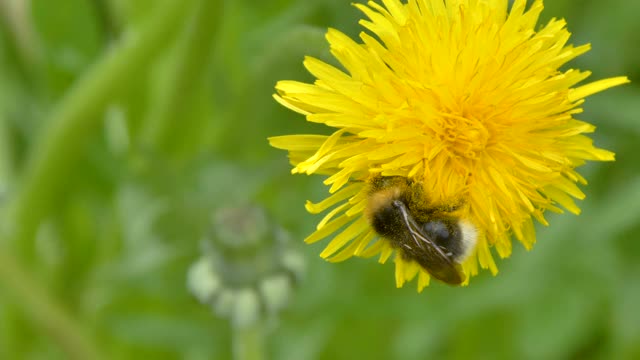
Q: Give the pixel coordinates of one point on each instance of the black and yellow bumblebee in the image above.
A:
(430, 234)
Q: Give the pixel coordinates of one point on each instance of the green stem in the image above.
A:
(43, 309)
(69, 129)
(248, 342)
(187, 70)
(7, 172)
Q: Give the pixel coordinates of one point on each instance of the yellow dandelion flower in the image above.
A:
(463, 97)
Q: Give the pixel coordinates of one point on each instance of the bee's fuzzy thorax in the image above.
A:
(380, 212)
(382, 198)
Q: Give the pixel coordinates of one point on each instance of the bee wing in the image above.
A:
(419, 237)
(427, 245)
(428, 254)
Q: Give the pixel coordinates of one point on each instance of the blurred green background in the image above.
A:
(125, 125)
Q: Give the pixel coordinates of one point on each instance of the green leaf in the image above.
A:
(70, 36)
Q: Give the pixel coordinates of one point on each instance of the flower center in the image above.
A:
(464, 136)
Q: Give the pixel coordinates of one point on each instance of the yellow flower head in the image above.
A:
(463, 97)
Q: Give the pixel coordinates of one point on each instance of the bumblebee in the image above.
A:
(400, 212)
